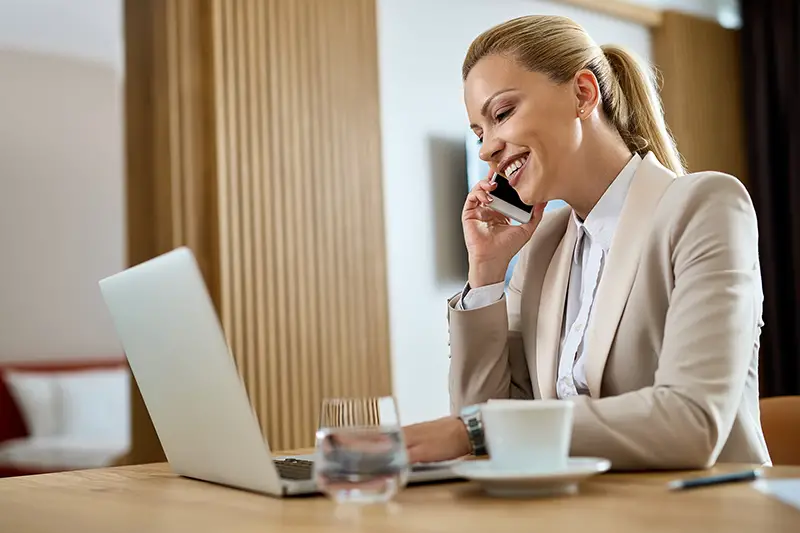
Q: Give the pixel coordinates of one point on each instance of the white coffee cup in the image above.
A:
(528, 435)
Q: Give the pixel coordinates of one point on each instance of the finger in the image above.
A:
(486, 185)
(485, 214)
(478, 197)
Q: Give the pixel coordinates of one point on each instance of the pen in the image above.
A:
(681, 484)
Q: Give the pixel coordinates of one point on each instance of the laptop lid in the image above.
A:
(188, 379)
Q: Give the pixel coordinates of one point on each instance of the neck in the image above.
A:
(595, 169)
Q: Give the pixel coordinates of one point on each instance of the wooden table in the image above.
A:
(150, 499)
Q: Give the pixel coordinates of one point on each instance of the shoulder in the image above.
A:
(712, 198)
(705, 189)
(708, 212)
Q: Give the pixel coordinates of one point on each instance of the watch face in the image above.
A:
(470, 411)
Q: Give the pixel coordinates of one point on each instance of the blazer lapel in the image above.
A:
(551, 312)
(635, 224)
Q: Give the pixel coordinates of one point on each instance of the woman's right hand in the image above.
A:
(490, 238)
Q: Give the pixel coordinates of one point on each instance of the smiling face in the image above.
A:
(529, 125)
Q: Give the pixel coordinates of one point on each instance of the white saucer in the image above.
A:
(507, 483)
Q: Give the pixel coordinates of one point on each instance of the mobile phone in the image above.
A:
(505, 200)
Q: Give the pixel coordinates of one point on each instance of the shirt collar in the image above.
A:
(602, 221)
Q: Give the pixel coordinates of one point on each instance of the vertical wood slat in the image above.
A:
(246, 117)
(694, 56)
(258, 370)
(362, 217)
(173, 101)
(310, 288)
(351, 412)
(329, 298)
(142, 199)
(292, 176)
(271, 412)
(378, 330)
(219, 33)
(351, 277)
(278, 180)
(338, 197)
(256, 142)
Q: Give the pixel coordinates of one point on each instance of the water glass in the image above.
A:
(361, 454)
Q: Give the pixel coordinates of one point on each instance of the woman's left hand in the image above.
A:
(438, 440)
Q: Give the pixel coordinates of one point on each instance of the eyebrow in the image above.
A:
(488, 101)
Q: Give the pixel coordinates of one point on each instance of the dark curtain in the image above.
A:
(770, 45)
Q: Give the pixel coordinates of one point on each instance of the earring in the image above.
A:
(581, 111)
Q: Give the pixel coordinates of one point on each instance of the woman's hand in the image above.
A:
(490, 238)
(438, 440)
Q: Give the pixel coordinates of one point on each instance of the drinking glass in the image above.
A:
(361, 454)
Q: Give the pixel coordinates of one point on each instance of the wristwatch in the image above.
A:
(471, 417)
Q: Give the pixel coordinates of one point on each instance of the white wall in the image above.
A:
(422, 44)
(61, 176)
(726, 12)
(85, 29)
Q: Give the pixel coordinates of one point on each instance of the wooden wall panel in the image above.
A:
(303, 286)
(699, 64)
(268, 113)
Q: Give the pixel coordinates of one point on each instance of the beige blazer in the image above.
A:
(672, 349)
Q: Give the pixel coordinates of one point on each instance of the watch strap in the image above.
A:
(471, 417)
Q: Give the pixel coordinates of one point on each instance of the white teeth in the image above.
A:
(515, 165)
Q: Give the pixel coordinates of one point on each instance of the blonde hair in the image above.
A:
(559, 48)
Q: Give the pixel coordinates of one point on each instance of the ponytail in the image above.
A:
(634, 108)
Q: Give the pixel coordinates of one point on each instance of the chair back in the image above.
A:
(780, 419)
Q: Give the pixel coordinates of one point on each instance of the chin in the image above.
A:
(529, 188)
(529, 194)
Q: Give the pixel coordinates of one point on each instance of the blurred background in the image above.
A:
(315, 155)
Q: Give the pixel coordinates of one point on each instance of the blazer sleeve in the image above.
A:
(487, 358)
(712, 327)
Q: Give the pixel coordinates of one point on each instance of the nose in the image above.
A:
(491, 148)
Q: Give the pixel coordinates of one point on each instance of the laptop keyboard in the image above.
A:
(295, 469)
(302, 470)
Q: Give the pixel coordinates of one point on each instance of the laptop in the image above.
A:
(178, 354)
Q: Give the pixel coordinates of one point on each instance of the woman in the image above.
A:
(640, 302)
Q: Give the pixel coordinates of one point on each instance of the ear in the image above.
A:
(587, 93)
